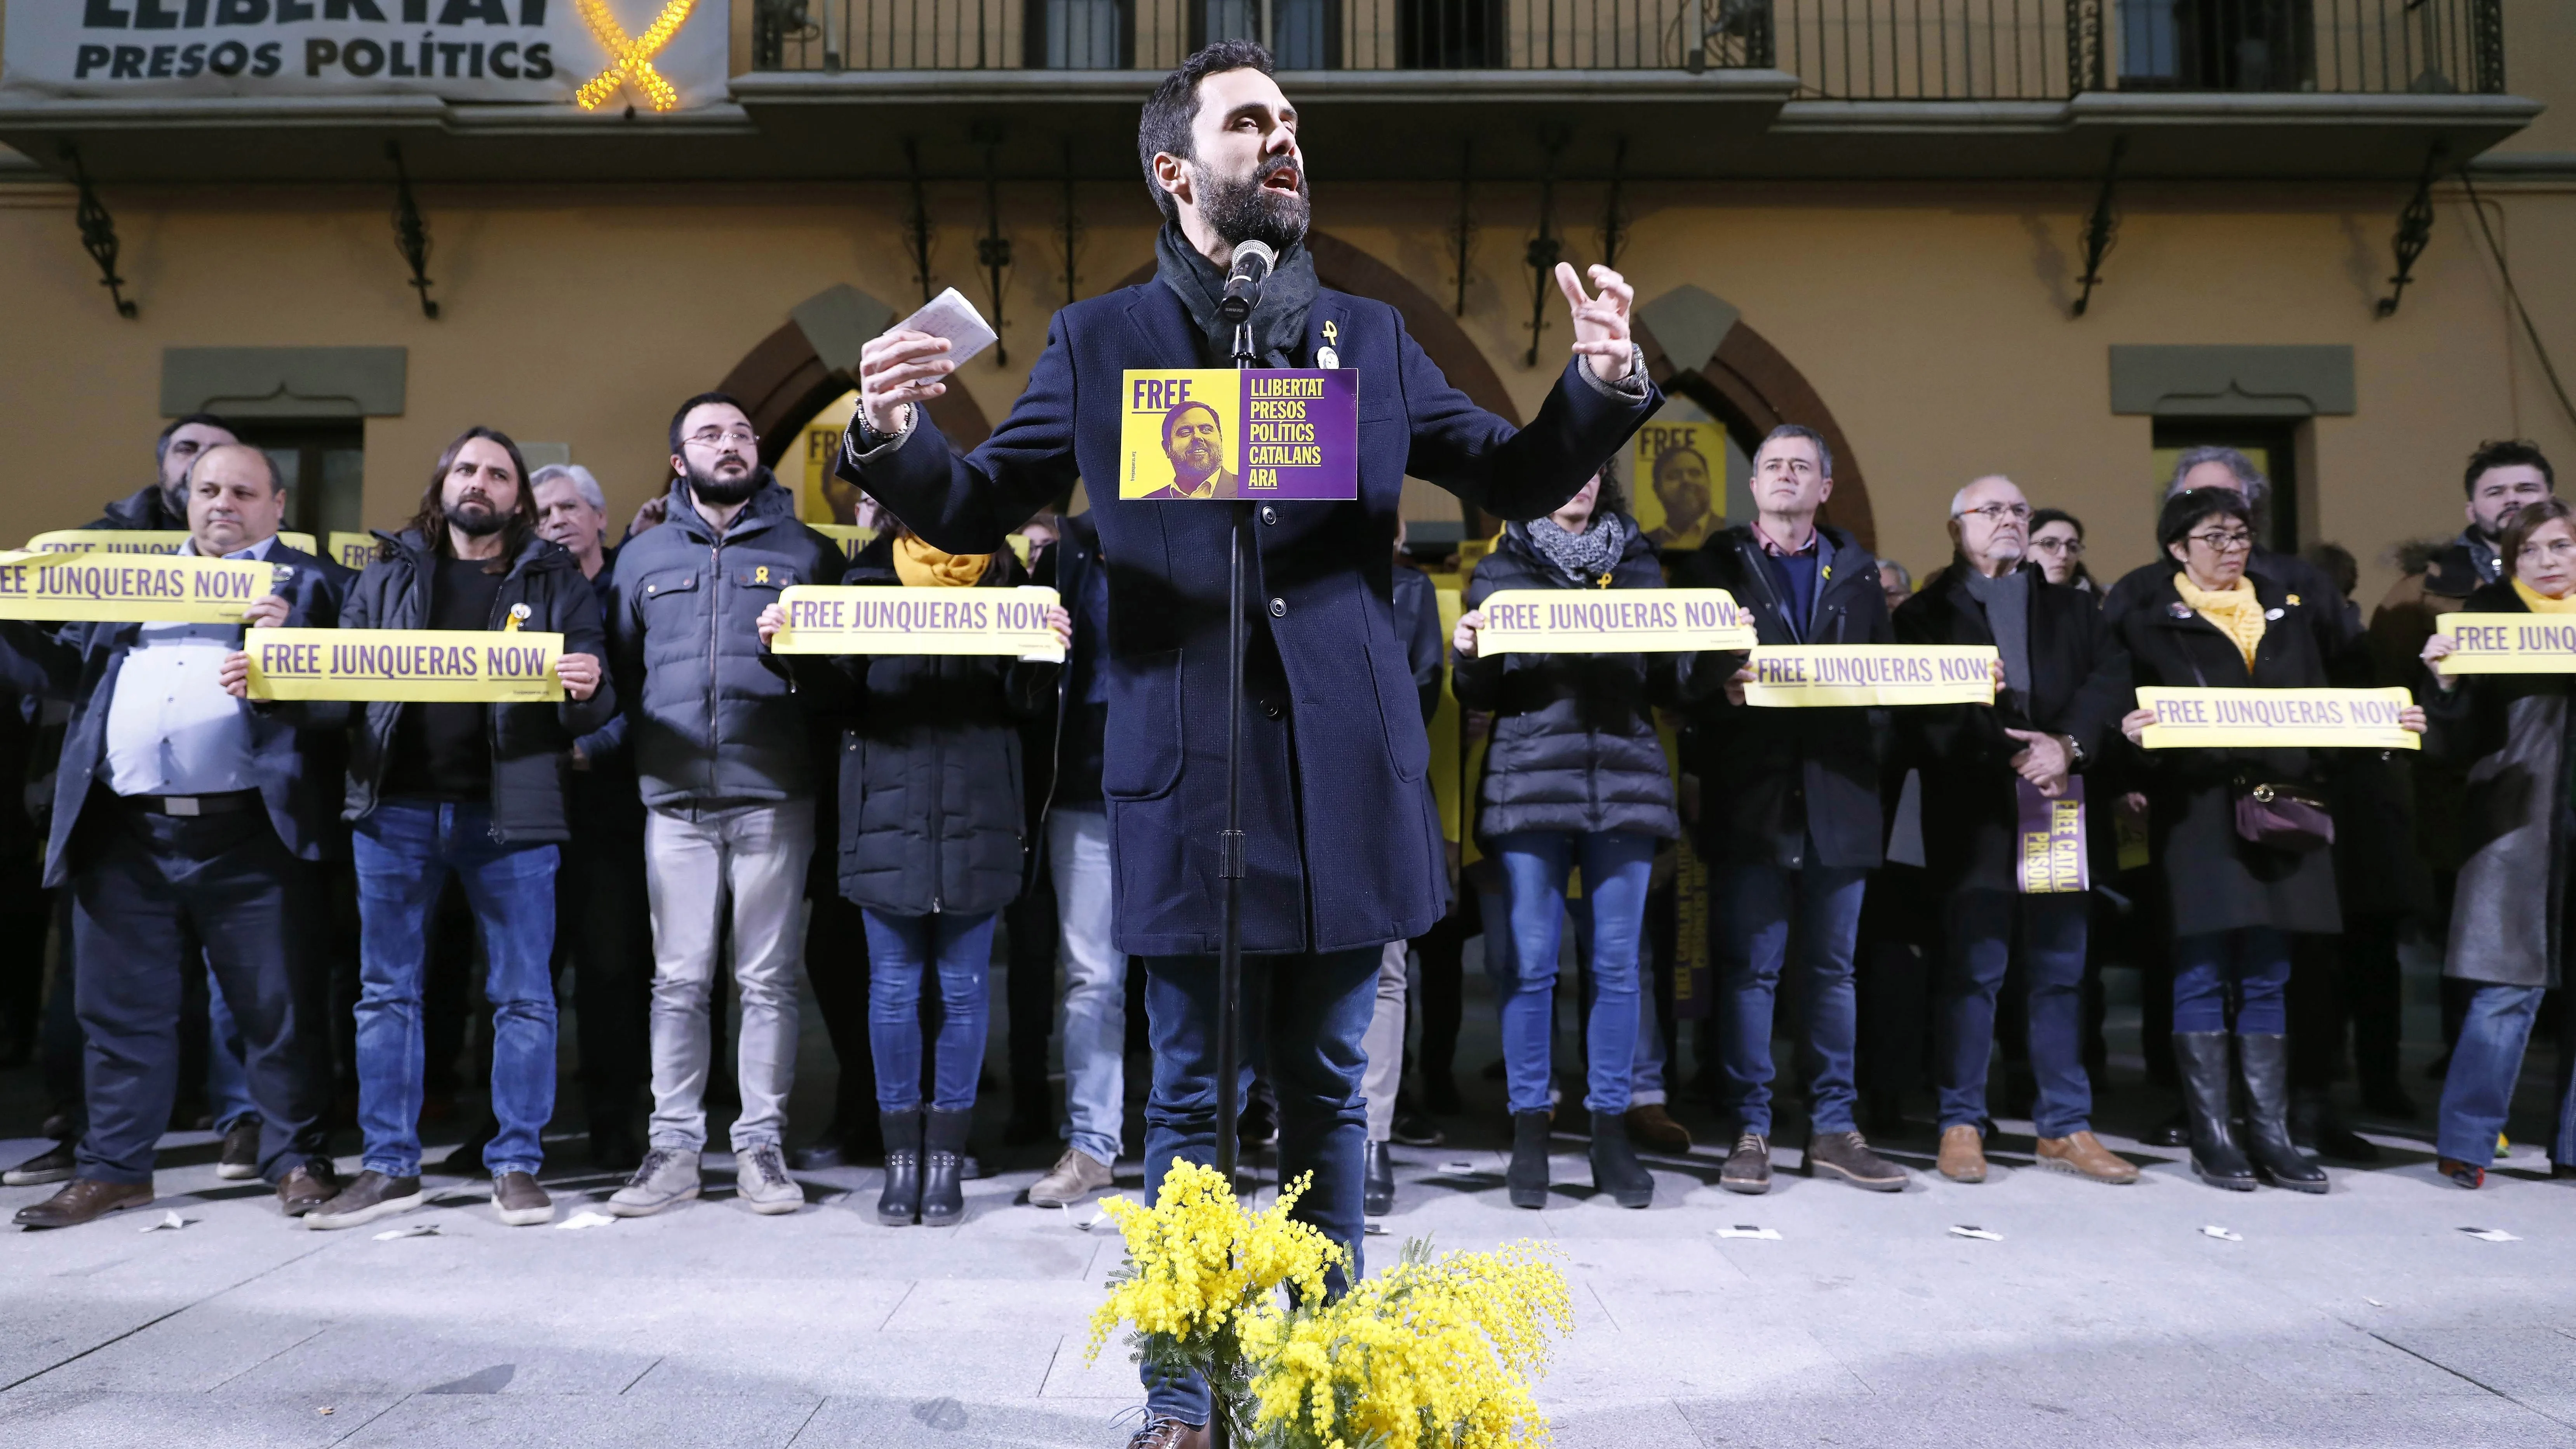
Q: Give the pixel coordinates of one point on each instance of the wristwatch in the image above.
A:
(2074, 752)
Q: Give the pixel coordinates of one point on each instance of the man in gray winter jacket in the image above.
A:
(719, 741)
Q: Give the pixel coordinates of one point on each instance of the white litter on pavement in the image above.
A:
(416, 1230)
(585, 1220)
(1961, 1230)
(1458, 1169)
(1747, 1230)
(2213, 1230)
(2491, 1235)
(170, 1222)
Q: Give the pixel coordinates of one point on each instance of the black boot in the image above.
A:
(900, 1202)
(2174, 1131)
(1526, 1180)
(1614, 1163)
(2317, 1127)
(2265, 1061)
(2200, 1059)
(1377, 1180)
(943, 1167)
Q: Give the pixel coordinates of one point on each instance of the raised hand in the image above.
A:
(898, 370)
(1600, 323)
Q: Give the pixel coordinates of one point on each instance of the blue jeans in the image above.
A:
(1095, 982)
(2255, 960)
(2477, 1096)
(1615, 867)
(901, 950)
(2052, 942)
(1755, 916)
(1311, 1011)
(404, 852)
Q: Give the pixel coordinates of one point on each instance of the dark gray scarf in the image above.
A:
(1278, 324)
(1584, 556)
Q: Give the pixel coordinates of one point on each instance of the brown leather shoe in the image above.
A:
(83, 1200)
(307, 1187)
(2084, 1155)
(1650, 1126)
(1161, 1433)
(1963, 1153)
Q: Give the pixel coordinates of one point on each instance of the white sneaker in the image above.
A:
(667, 1175)
(760, 1181)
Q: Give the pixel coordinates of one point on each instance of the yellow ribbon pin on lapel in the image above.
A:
(631, 60)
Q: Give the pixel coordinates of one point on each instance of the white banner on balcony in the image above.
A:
(654, 55)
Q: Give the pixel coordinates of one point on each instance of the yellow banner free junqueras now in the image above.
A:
(866, 619)
(130, 587)
(441, 666)
(140, 540)
(1844, 675)
(1612, 621)
(2254, 719)
(2509, 644)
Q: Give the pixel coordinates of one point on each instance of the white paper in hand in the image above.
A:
(951, 316)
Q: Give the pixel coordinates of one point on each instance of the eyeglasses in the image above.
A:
(2222, 542)
(711, 437)
(2071, 547)
(1998, 512)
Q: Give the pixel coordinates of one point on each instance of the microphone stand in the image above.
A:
(1229, 961)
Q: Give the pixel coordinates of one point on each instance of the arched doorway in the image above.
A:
(1749, 386)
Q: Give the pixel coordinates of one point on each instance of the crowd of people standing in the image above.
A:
(700, 809)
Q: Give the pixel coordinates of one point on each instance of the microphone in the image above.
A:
(1252, 263)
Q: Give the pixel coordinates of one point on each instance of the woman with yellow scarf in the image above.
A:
(932, 847)
(2509, 916)
(2235, 901)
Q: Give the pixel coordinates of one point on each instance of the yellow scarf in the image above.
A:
(2539, 603)
(2237, 612)
(922, 567)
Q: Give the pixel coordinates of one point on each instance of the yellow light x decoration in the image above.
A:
(631, 60)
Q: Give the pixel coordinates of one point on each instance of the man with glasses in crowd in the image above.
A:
(2065, 685)
(719, 742)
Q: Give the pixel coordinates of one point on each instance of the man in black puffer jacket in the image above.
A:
(1792, 823)
(473, 789)
(720, 742)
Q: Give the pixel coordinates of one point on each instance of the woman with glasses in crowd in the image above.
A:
(2508, 919)
(2057, 543)
(2240, 881)
(1574, 776)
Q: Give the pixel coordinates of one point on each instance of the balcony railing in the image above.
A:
(1969, 50)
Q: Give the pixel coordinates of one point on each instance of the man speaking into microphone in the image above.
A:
(1344, 852)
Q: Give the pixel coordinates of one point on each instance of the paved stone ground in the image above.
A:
(2103, 1317)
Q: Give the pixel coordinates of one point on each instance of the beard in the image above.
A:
(1241, 209)
(475, 518)
(708, 487)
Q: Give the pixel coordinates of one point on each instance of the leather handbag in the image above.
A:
(2284, 817)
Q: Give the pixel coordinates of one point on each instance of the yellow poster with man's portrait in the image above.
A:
(1677, 482)
(1179, 435)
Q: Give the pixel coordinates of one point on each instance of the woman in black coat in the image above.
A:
(1574, 774)
(2234, 902)
(2508, 920)
(932, 847)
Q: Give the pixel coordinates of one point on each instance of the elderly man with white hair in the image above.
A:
(606, 934)
(2065, 685)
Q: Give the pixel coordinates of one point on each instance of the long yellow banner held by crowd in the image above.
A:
(1812, 675)
(129, 587)
(2505, 644)
(2276, 718)
(859, 619)
(137, 540)
(444, 666)
(1605, 621)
